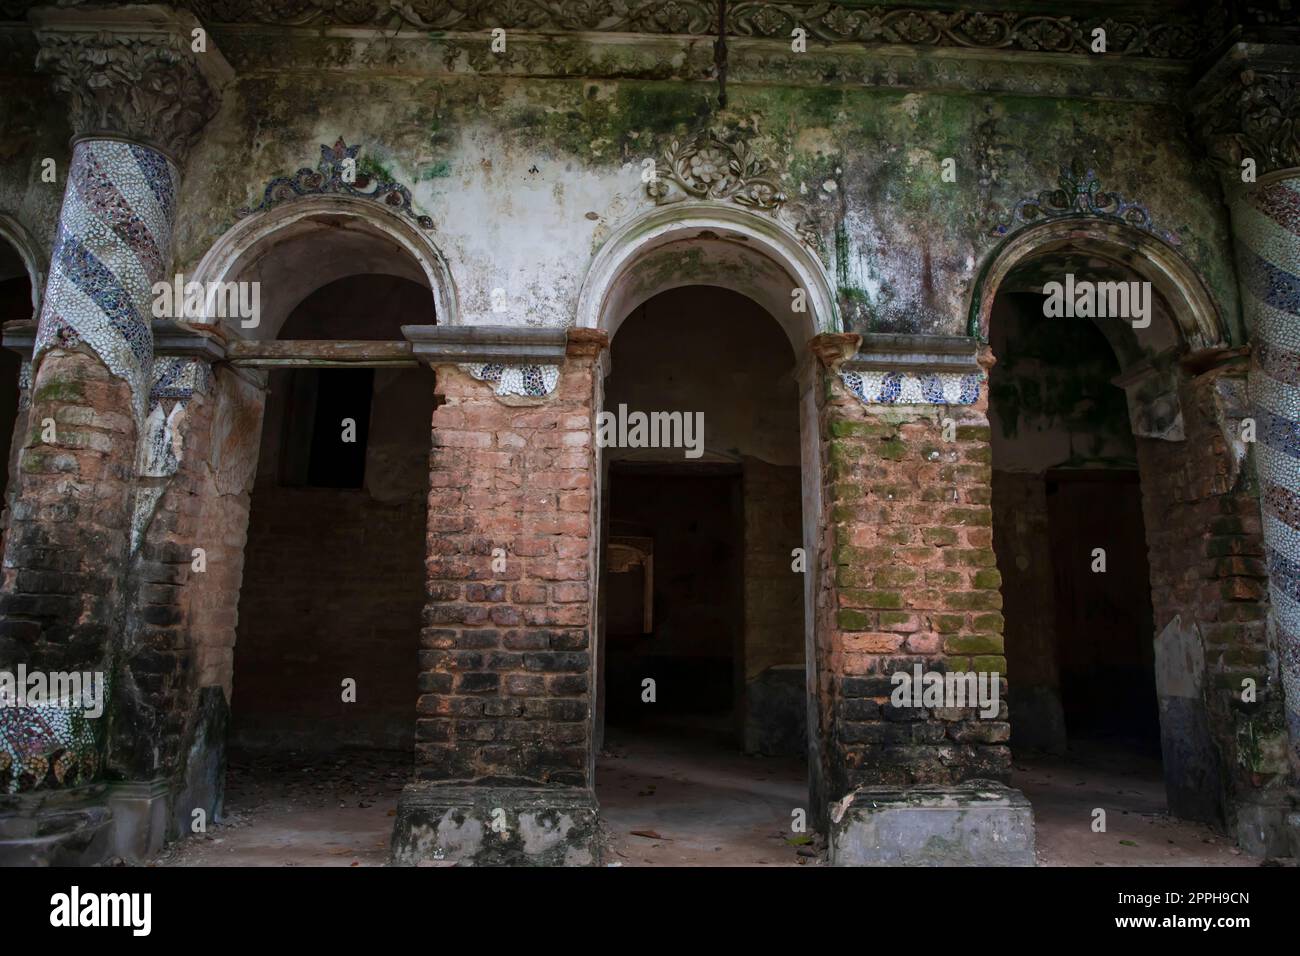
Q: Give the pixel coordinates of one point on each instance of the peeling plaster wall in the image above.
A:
(525, 179)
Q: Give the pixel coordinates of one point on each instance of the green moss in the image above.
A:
(893, 449)
(851, 620)
(439, 170)
(373, 169)
(600, 125)
(974, 644)
(865, 429)
(61, 390)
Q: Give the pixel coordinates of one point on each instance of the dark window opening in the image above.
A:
(327, 422)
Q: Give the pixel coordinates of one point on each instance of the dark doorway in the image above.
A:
(698, 592)
(334, 578)
(1103, 619)
(689, 639)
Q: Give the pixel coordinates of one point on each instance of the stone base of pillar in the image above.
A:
(72, 827)
(141, 810)
(933, 826)
(1292, 824)
(456, 825)
(1268, 825)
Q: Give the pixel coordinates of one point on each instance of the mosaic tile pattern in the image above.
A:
(914, 388)
(533, 381)
(46, 746)
(175, 382)
(25, 385)
(1269, 254)
(113, 242)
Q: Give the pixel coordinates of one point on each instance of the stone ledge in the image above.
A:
(453, 825)
(971, 825)
(169, 338)
(506, 345)
(887, 351)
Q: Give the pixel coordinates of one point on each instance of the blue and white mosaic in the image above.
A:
(113, 242)
(1269, 244)
(25, 384)
(533, 381)
(175, 382)
(914, 388)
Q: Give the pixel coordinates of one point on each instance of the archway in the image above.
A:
(1095, 416)
(705, 591)
(322, 680)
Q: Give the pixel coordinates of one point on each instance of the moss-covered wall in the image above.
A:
(526, 177)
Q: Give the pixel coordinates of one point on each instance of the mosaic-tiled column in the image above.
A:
(1249, 108)
(1267, 221)
(112, 245)
(138, 98)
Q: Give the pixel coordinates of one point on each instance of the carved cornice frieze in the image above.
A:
(132, 72)
(1055, 28)
(1254, 115)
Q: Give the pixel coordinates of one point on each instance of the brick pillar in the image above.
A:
(137, 101)
(507, 667)
(1209, 582)
(910, 580)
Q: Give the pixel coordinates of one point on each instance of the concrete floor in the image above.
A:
(1064, 791)
(302, 810)
(686, 800)
(675, 800)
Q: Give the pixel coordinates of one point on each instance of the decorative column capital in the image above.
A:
(586, 343)
(832, 349)
(132, 72)
(1247, 106)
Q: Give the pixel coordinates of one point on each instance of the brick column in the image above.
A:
(912, 582)
(138, 99)
(507, 666)
(1246, 114)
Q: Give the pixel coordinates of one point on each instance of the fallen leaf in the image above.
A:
(650, 835)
